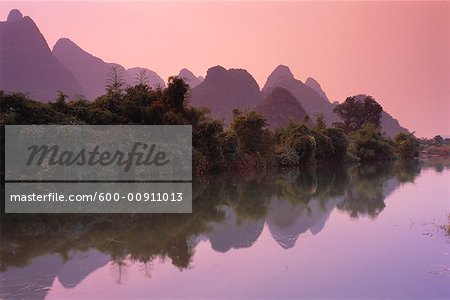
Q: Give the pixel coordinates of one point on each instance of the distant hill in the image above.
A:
(313, 102)
(190, 78)
(153, 79)
(26, 63)
(93, 73)
(280, 107)
(224, 90)
(312, 83)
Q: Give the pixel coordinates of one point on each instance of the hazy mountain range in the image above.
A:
(93, 73)
(28, 65)
(280, 107)
(224, 90)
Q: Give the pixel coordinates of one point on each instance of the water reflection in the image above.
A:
(230, 212)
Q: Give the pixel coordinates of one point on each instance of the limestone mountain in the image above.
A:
(281, 107)
(151, 77)
(190, 78)
(313, 102)
(312, 83)
(224, 90)
(90, 71)
(26, 63)
(93, 73)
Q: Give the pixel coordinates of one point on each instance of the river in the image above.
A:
(347, 232)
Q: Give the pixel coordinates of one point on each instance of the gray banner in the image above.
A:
(102, 152)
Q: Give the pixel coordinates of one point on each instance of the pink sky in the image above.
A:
(396, 52)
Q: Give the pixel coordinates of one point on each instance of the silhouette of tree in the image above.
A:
(141, 78)
(356, 113)
(115, 84)
(176, 93)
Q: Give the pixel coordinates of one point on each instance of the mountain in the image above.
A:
(190, 78)
(224, 90)
(280, 107)
(152, 78)
(390, 125)
(26, 63)
(312, 83)
(313, 102)
(93, 73)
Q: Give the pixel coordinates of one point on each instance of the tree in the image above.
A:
(250, 131)
(141, 78)
(406, 146)
(176, 93)
(296, 144)
(207, 140)
(115, 84)
(320, 123)
(368, 144)
(339, 141)
(136, 99)
(112, 101)
(355, 113)
(324, 146)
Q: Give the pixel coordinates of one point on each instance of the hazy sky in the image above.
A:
(396, 52)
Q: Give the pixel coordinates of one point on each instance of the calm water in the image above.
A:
(373, 232)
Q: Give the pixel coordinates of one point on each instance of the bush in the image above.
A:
(287, 157)
(252, 136)
(299, 138)
(406, 146)
(368, 144)
(324, 146)
(339, 141)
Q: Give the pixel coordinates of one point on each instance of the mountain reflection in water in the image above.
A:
(230, 212)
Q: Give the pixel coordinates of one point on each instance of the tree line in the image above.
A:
(246, 144)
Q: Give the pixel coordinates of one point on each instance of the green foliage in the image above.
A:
(324, 146)
(406, 146)
(339, 141)
(250, 130)
(368, 144)
(16, 108)
(230, 147)
(355, 113)
(320, 123)
(176, 93)
(296, 137)
(116, 83)
(206, 139)
(287, 157)
(245, 146)
(136, 99)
